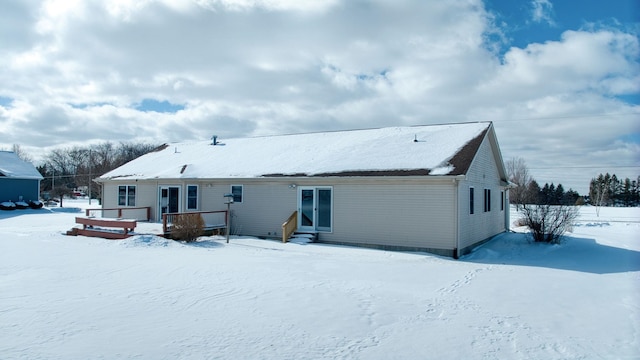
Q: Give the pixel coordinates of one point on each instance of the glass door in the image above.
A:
(323, 212)
(169, 200)
(306, 209)
(315, 208)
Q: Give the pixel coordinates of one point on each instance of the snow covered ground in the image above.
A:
(65, 297)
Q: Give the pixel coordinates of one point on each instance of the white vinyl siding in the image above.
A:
(145, 195)
(395, 215)
(265, 206)
(483, 174)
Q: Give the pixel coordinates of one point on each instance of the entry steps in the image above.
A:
(303, 237)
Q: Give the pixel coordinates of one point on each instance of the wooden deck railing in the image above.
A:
(138, 213)
(289, 226)
(212, 219)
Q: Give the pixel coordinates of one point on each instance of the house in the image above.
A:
(19, 180)
(436, 188)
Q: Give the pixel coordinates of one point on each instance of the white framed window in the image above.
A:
(236, 191)
(192, 197)
(127, 195)
(471, 201)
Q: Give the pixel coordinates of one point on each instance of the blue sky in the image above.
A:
(159, 106)
(539, 21)
(559, 79)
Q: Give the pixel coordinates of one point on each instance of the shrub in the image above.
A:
(520, 222)
(187, 227)
(549, 222)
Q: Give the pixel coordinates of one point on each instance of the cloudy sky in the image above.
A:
(559, 79)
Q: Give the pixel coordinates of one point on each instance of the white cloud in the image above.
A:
(245, 68)
(542, 11)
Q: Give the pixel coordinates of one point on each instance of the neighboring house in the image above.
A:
(19, 180)
(437, 188)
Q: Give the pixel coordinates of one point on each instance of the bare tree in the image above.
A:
(78, 166)
(549, 222)
(21, 153)
(60, 192)
(599, 191)
(518, 174)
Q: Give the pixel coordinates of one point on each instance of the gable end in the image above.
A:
(461, 161)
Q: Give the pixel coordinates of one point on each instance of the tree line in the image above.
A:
(608, 190)
(70, 168)
(526, 189)
(552, 195)
(549, 211)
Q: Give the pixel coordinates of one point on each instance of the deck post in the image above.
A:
(229, 201)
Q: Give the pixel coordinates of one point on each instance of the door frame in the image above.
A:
(168, 187)
(315, 227)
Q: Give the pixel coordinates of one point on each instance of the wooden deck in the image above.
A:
(213, 220)
(116, 229)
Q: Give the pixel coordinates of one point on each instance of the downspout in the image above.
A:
(156, 214)
(507, 210)
(102, 194)
(456, 181)
(507, 205)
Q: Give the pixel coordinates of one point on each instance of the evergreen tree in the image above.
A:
(626, 193)
(608, 190)
(614, 190)
(571, 198)
(533, 193)
(558, 196)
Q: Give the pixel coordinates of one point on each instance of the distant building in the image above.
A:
(437, 188)
(19, 180)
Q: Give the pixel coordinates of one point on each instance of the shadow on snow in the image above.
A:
(573, 253)
(7, 214)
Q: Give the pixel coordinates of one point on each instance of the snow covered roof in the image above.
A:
(394, 151)
(13, 167)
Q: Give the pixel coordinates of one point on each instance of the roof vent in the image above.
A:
(214, 140)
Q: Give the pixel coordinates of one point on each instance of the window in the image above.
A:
(126, 195)
(487, 200)
(192, 197)
(471, 201)
(236, 190)
(501, 200)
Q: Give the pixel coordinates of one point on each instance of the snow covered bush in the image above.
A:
(187, 227)
(549, 222)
